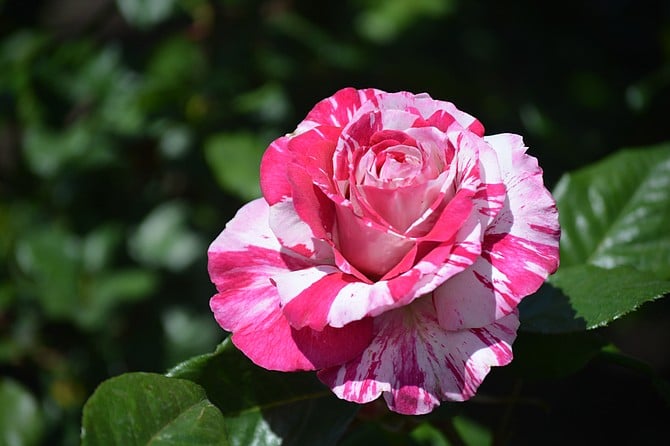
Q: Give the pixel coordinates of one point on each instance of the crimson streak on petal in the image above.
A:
(415, 364)
(242, 262)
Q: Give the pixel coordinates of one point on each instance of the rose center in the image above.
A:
(396, 164)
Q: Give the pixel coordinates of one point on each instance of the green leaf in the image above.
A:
(50, 260)
(163, 239)
(426, 434)
(382, 22)
(617, 212)
(472, 433)
(267, 408)
(587, 297)
(615, 243)
(145, 13)
(150, 409)
(235, 160)
(20, 420)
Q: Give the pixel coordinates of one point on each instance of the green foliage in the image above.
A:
(131, 131)
(615, 247)
(143, 408)
(162, 239)
(145, 13)
(234, 158)
(263, 407)
(21, 423)
(383, 21)
(616, 212)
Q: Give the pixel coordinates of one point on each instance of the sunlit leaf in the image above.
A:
(264, 407)
(617, 212)
(615, 243)
(148, 409)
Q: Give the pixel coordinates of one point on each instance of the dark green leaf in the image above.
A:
(20, 420)
(615, 243)
(612, 355)
(540, 356)
(267, 408)
(586, 297)
(150, 409)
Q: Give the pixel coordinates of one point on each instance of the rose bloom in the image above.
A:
(389, 252)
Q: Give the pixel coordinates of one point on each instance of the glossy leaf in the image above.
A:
(20, 420)
(145, 408)
(617, 212)
(615, 243)
(267, 408)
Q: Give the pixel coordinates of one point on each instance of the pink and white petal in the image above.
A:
(415, 364)
(273, 177)
(242, 261)
(296, 235)
(311, 204)
(440, 114)
(519, 249)
(269, 341)
(445, 116)
(324, 296)
(370, 247)
(338, 109)
(523, 179)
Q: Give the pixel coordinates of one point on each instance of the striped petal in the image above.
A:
(274, 182)
(415, 364)
(519, 250)
(242, 261)
(338, 109)
(325, 296)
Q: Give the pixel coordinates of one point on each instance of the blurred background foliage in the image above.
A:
(131, 131)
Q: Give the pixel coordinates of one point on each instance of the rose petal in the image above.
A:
(274, 182)
(373, 249)
(338, 109)
(323, 296)
(416, 364)
(294, 234)
(519, 250)
(242, 260)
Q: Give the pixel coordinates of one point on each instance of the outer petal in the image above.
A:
(274, 180)
(242, 261)
(519, 250)
(338, 109)
(415, 363)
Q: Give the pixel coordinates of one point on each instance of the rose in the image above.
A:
(391, 248)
